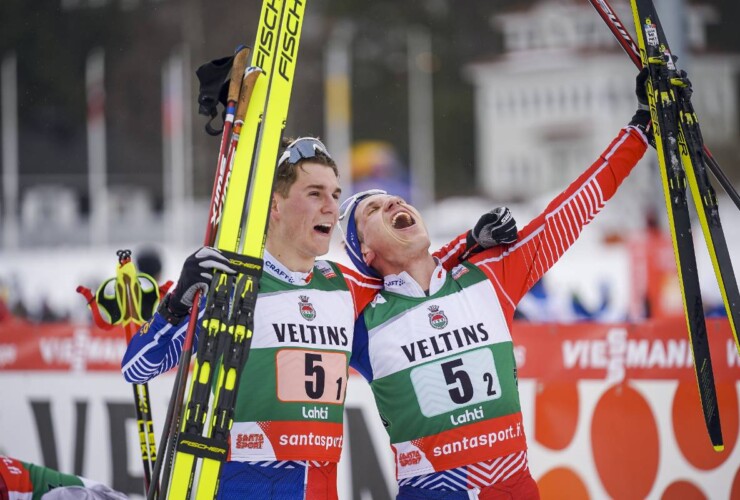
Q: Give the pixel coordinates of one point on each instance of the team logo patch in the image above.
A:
(459, 271)
(437, 317)
(307, 310)
(326, 270)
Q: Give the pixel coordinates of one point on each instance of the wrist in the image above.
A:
(173, 313)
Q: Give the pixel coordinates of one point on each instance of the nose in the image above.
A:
(330, 206)
(392, 202)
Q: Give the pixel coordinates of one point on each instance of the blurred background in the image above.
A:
(458, 106)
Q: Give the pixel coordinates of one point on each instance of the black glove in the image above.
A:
(496, 227)
(196, 274)
(642, 118)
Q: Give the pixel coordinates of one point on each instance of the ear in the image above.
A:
(275, 207)
(368, 255)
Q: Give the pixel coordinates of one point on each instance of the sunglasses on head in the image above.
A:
(303, 148)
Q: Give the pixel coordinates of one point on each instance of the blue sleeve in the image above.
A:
(156, 348)
(360, 359)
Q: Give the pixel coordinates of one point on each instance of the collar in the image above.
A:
(404, 284)
(276, 269)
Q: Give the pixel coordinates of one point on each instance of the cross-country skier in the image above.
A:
(436, 345)
(287, 434)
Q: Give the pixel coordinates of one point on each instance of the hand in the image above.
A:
(641, 89)
(196, 274)
(642, 118)
(496, 227)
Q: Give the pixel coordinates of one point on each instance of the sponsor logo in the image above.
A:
(317, 412)
(289, 44)
(327, 271)
(145, 327)
(437, 317)
(311, 334)
(267, 35)
(306, 309)
(459, 271)
(279, 272)
(395, 283)
(468, 416)
(470, 442)
(445, 341)
(409, 458)
(202, 446)
(311, 439)
(250, 441)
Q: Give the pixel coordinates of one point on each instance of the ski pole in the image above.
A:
(172, 419)
(130, 306)
(121, 298)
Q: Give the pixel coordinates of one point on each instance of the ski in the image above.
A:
(612, 21)
(702, 191)
(705, 201)
(670, 144)
(226, 327)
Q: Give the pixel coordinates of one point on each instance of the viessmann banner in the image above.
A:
(610, 410)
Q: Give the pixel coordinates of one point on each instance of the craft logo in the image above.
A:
(307, 310)
(437, 318)
(410, 458)
(250, 441)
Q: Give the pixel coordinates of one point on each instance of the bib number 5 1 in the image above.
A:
(311, 376)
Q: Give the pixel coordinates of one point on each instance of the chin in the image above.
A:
(317, 250)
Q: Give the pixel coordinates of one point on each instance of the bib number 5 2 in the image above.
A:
(446, 385)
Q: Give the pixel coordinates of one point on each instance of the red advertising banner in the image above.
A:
(610, 410)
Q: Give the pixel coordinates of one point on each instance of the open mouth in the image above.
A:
(322, 228)
(402, 220)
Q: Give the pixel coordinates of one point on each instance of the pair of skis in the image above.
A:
(684, 160)
(128, 300)
(257, 107)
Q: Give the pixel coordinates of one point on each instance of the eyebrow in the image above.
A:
(322, 186)
(369, 205)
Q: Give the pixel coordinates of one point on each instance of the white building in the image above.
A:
(564, 87)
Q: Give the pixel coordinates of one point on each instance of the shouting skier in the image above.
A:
(287, 434)
(436, 345)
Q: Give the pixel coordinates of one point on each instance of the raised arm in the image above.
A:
(514, 269)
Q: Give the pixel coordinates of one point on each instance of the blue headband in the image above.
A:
(352, 244)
